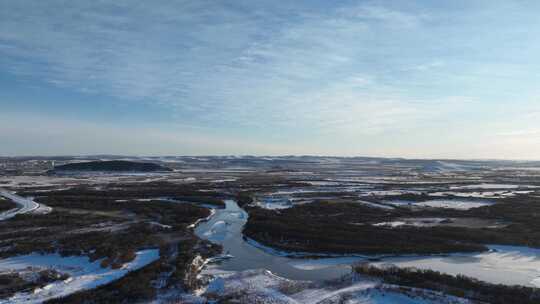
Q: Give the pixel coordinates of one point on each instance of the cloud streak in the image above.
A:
(309, 68)
(217, 63)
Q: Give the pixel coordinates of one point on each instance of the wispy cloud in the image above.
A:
(212, 63)
(310, 68)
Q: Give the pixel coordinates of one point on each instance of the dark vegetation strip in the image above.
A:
(244, 198)
(342, 228)
(115, 192)
(110, 166)
(332, 227)
(6, 204)
(11, 283)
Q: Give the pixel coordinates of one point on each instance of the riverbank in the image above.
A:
(510, 265)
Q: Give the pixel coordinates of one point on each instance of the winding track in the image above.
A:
(26, 205)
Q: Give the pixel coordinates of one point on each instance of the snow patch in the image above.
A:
(457, 204)
(83, 273)
(262, 286)
(492, 186)
(510, 265)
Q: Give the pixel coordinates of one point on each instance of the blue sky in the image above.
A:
(442, 79)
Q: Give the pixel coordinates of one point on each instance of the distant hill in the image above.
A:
(109, 166)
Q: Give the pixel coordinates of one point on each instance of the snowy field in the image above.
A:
(492, 186)
(255, 273)
(375, 205)
(274, 203)
(262, 286)
(493, 194)
(457, 204)
(510, 265)
(436, 221)
(83, 274)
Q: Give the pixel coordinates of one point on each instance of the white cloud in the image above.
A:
(274, 70)
(213, 64)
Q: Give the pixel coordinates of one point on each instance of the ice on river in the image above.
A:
(218, 232)
(511, 265)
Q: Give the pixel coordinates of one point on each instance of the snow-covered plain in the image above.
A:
(493, 194)
(274, 203)
(262, 286)
(458, 204)
(502, 264)
(283, 289)
(492, 186)
(435, 221)
(511, 265)
(83, 273)
(375, 205)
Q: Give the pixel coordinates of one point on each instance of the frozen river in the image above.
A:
(502, 264)
(225, 228)
(26, 205)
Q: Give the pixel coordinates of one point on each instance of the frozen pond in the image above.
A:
(503, 264)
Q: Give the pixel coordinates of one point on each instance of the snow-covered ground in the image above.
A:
(323, 183)
(274, 202)
(311, 264)
(511, 265)
(87, 178)
(437, 221)
(26, 206)
(454, 204)
(83, 273)
(492, 186)
(262, 286)
(224, 180)
(393, 224)
(458, 204)
(482, 194)
(375, 205)
(390, 192)
(415, 222)
(502, 264)
(212, 212)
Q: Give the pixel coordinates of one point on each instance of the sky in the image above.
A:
(415, 79)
